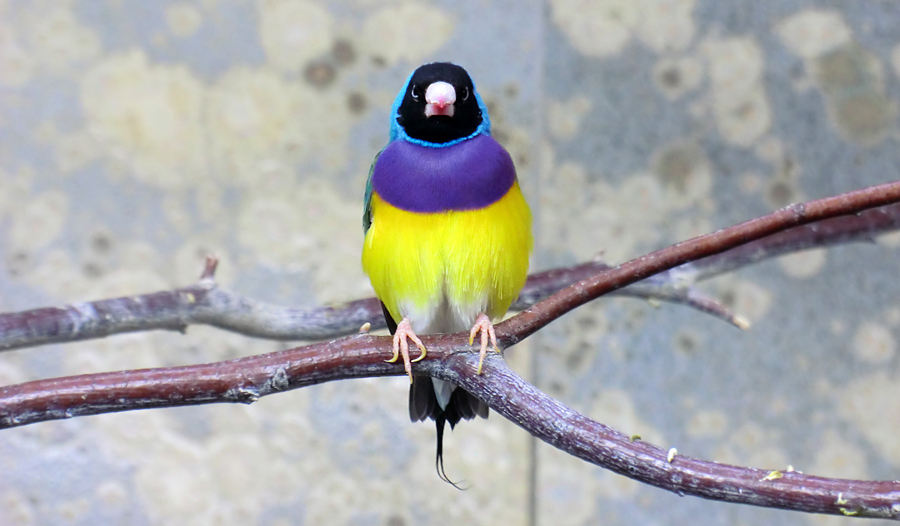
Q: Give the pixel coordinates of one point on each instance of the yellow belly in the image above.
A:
(458, 263)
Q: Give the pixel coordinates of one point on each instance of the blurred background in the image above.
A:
(136, 137)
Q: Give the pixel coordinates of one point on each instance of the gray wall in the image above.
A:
(135, 137)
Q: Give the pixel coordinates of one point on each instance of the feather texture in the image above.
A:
(442, 269)
(447, 231)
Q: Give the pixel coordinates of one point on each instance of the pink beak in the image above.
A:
(439, 99)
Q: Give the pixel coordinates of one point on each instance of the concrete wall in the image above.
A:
(135, 137)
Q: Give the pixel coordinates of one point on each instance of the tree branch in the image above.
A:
(862, 227)
(207, 303)
(247, 379)
(528, 322)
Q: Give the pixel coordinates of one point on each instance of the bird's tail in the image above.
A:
(439, 422)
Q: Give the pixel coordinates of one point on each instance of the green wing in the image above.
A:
(367, 211)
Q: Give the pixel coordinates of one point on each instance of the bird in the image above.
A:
(448, 232)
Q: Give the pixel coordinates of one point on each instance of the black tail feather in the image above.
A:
(439, 422)
(423, 404)
(422, 400)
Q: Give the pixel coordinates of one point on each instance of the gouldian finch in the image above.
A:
(447, 231)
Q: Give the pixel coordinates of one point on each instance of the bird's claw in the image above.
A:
(401, 346)
(483, 324)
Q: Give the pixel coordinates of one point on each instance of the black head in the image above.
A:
(451, 111)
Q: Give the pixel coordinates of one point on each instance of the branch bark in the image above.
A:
(206, 303)
(247, 379)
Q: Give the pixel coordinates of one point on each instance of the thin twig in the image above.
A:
(532, 319)
(206, 303)
(862, 227)
(245, 380)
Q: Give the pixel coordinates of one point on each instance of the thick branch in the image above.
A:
(242, 380)
(513, 330)
(554, 423)
(245, 380)
(207, 303)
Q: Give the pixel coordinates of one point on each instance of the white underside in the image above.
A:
(442, 391)
(443, 318)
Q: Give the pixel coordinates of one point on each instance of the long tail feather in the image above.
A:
(423, 404)
(439, 422)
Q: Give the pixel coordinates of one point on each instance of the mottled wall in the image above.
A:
(136, 136)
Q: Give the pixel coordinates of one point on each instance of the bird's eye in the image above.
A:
(415, 92)
(465, 93)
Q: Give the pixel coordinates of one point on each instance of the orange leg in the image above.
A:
(484, 325)
(401, 346)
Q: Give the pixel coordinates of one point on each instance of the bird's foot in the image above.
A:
(401, 346)
(484, 325)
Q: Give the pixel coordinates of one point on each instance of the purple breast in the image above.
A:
(466, 176)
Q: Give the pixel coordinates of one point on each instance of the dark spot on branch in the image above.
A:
(244, 395)
(279, 381)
